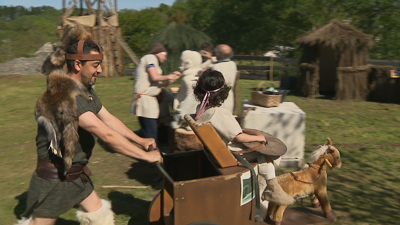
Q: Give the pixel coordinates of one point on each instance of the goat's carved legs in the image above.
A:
(278, 215)
(314, 201)
(325, 204)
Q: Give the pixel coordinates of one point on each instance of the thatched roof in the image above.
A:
(337, 35)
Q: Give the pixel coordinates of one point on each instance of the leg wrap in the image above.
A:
(103, 216)
(24, 221)
(264, 204)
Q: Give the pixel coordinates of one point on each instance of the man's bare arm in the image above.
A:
(90, 122)
(154, 76)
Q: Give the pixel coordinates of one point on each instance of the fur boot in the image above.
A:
(24, 221)
(103, 216)
(274, 193)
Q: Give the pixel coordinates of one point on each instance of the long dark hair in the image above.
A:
(211, 80)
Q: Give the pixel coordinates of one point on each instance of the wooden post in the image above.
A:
(125, 46)
(101, 39)
(63, 6)
(90, 7)
(110, 52)
(271, 68)
(236, 98)
(81, 3)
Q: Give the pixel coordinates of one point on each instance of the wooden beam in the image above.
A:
(271, 70)
(265, 58)
(101, 38)
(70, 10)
(90, 6)
(112, 6)
(125, 46)
(285, 68)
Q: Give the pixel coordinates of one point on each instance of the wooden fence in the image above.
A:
(271, 68)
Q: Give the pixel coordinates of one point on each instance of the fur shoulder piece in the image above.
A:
(56, 60)
(56, 110)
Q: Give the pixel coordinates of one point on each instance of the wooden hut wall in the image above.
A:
(307, 84)
(382, 87)
(352, 73)
(352, 83)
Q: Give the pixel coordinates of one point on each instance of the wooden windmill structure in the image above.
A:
(100, 18)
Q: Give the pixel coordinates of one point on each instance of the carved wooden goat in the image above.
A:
(311, 180)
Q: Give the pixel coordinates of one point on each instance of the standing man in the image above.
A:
(53, 192)
(228, 69)
(150, 100)
(206, 52)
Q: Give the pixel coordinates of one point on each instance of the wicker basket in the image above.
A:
(265, 100)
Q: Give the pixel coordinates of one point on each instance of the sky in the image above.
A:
(121, 4)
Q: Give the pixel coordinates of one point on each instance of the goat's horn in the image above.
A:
(329, 141)
(329, 163)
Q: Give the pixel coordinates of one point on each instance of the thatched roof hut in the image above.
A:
(334, 60)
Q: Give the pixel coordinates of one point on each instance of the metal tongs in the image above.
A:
(160, 166)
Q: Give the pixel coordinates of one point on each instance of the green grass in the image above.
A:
(364, 191)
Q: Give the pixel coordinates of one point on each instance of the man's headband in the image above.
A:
(81, 56)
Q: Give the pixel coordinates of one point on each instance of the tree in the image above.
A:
(138, 27)
(178, 37)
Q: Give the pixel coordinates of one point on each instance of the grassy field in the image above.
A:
(364, 191)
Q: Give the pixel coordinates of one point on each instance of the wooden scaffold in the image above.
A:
(102, 23)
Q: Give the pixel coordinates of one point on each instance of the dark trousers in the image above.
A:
(149, 128)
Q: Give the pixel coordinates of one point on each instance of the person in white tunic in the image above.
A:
(211, 90)
(228, 69)
(184, 102)
(148, 89)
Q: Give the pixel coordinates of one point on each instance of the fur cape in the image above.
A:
(56, 109)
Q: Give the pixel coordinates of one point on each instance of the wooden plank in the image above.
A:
(129, 71)
(264, 58)
(243, 67)
(296, 61)
(271, 70)
(284, 68)
(250, 57)
(286, 60)
(384, 62)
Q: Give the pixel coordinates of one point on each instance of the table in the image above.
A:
(286, 122)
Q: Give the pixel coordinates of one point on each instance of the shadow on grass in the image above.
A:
(127, 204)
(21, 206)
(146, 173)
(371, 197)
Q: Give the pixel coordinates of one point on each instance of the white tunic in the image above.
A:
(229, 71)
(223, 122)
(146, 105)
(208, 63)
